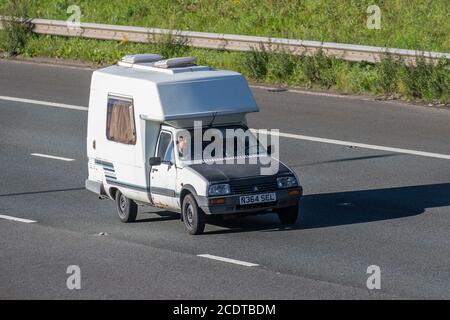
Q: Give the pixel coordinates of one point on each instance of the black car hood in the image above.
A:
(216, 172)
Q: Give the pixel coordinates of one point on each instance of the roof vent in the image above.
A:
(141, 58)
(175, 63)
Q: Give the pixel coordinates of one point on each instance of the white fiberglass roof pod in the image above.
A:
(175, 89)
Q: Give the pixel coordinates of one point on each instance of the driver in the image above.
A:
(181, 145)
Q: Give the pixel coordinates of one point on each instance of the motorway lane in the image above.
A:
(117, 269)
(365, 121)
(45, 82)
(372, 122)
(361, 207)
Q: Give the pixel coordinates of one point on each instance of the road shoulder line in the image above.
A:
(44, 103)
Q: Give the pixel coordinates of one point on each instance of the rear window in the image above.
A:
(120, 126)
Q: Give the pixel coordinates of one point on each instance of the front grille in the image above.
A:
(246, 186)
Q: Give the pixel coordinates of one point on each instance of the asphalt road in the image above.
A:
(361, 206)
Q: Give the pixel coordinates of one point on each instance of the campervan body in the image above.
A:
(151, 126)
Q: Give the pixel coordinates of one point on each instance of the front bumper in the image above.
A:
(232, 204)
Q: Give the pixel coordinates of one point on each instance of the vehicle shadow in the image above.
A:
(161, 215)
(41, 192)
(346, 208)
(346, 160)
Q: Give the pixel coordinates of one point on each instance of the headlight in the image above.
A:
(287, 182)
(219, 189)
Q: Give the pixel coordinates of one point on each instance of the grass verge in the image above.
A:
(326, 20)
(390, 78)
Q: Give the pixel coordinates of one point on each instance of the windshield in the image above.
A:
(217, 143)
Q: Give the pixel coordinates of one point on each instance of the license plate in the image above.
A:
(258, 198)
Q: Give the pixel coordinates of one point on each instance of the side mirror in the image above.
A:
(155, 161)
(270, 150)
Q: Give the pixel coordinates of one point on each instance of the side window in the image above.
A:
(120, 125)
(165, 147)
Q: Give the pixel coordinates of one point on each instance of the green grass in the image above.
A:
(16, 32)
(417, 24)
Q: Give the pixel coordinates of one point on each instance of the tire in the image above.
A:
(288, 215)
(126, 208)
(193, 216)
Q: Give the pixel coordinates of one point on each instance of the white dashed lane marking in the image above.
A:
(51, 157)
(242, 263)
(16, 219)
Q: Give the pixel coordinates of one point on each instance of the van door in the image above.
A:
(163, 177)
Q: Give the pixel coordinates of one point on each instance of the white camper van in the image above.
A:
(143, 111)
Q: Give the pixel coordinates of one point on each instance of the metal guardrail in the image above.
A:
(207, 40)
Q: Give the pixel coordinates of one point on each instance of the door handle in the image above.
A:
(154, 170)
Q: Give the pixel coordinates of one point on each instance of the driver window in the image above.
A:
(169, 155)
(165, 147)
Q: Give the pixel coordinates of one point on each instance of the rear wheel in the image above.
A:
(126, 208)
(193, 216)
(288, 215)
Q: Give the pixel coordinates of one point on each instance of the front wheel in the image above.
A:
(193, 216)
(288, 215)
(126, 208)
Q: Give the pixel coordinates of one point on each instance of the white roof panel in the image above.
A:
(188, 93)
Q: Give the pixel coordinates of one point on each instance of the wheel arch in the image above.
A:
(187, 189)
(113, 192)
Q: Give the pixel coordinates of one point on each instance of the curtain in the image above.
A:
(121, 127)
